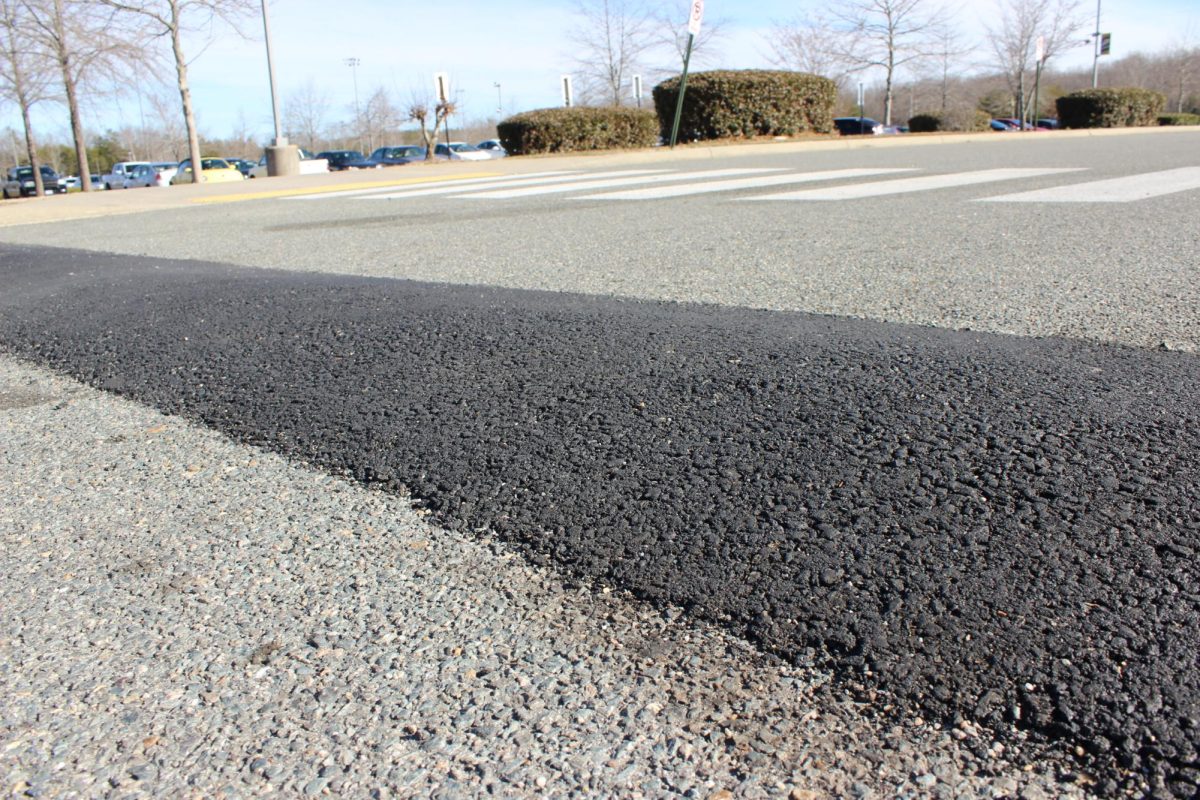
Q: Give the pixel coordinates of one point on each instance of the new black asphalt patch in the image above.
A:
(988, 527)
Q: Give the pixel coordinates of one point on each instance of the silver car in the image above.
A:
(146, 175)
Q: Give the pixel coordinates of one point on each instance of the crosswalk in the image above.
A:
(762, 185)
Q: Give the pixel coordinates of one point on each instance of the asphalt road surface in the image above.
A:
(988, 528)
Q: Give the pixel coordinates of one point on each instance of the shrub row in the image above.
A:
(718, 104)
(739, 104)
(1110, 108)
(564, 130)
(1179, 119)
(960, 120)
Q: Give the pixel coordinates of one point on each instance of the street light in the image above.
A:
(279, 140)
(1096, 49)
(353, 63)
(499, 102)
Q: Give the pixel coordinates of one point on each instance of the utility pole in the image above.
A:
(499, 101)
(353, 63)
(1096, 49)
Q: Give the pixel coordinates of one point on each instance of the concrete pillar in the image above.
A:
(283, 159)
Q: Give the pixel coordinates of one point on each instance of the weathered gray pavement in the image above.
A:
(182, 616)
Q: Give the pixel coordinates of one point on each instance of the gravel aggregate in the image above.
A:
(1009, 550)
(183, 616)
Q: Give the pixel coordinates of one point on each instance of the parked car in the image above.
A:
(493, 148)
(1000, 125)
(1049, 123)
(144, 175)
(242, 165)
(398, 154)
(97, 184)
(20, 182)
(341, 160)
(855, 126)
(216, 170)
(70, 182)
(309, 165)
(167, 169)
(460, 151)
(115, 178)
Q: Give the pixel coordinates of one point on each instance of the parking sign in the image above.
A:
(696, 16)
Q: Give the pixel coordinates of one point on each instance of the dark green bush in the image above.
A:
(564, 130)
(1179, 119)
(953, 120)
(737, 104)
(1110, 108)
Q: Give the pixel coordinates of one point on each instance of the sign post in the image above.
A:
(693, 28)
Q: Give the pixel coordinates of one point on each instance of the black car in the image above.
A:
(855, 126)
(400, 154)
(20, 182)
(340, 160)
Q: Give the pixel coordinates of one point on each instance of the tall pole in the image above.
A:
(353, 63)
(279, 140)
(499, 100)
(682, 88)
(1096, 50)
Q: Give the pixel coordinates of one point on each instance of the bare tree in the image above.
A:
(379, 117)
(25, 78)
(172, 18)
(610, 40)
(884, 34)
(1014, 39)
(430, 115)
(810, 44)
(946, 51)
(77, 34)
(304, 113)
(1182, 66)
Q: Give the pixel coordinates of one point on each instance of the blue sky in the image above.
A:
(522, 46)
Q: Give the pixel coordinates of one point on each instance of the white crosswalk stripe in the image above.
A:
(1112, 190)
(606, 182)
(858, 191)
(363, 192)
(511, 181)
(662, 184)
(762, 181)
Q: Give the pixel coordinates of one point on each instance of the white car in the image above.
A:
(493, 148)
(309, 165)
(461, 151)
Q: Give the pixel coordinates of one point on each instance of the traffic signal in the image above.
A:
(1105, 43)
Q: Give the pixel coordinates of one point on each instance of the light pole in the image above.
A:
(279, 141)
(499, 101)
(353, 63)
(1096, 49)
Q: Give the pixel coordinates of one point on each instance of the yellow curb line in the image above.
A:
(345, 187)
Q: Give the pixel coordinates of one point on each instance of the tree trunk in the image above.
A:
(68, 79)
(30, 148)
(19, 91)
(185, 95)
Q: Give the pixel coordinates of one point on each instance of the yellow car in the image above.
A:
(216, 170)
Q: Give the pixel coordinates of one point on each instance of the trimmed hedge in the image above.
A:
(1179, 119)
(1110, 108)
(564, 130)
(962, 120)
(737, 104)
